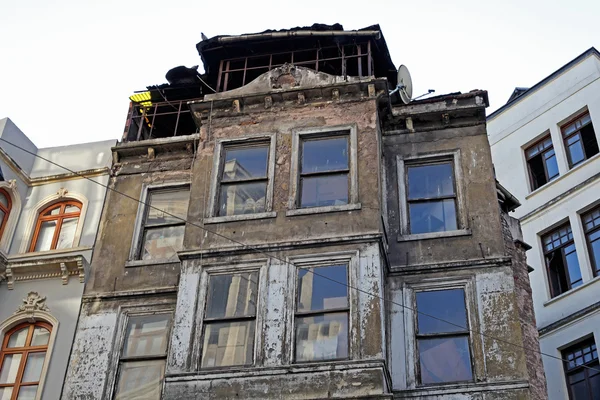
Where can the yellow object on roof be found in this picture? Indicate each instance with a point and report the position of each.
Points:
(143, 98)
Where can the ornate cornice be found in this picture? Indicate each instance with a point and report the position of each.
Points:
(42, 268)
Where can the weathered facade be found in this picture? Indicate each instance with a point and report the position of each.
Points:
(48, 227)
(257, 245)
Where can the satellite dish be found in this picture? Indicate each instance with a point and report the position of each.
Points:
(404, 84)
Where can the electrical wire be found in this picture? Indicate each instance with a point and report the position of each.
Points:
(262, 252)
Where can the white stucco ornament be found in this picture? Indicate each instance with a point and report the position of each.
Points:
(62, 192)
(33, 302)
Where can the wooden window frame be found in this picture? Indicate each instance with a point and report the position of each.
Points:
(589, 231)
(24, 351)
(60, 217)
(576, 132)
(541, 151)
(6, 210)
(560, 247)
(580, 346)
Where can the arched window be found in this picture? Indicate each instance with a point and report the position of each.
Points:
(22, 359)
(56, 226)
(5, 206)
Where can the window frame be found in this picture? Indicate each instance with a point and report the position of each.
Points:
(6, 210)
(298, 138)
(60, 217)
(402, 165)
(221, 145)
(544, 253)
(594, 263)
(577, 131)
(541, 153)
(578, 345)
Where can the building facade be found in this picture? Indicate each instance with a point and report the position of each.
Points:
(48, 222)
(545, 149)
(266, 237)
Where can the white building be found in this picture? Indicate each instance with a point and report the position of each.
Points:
(545, 151)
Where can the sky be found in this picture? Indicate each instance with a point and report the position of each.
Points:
(68, 67)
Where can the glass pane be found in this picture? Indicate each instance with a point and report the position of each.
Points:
(174, 202)
(244, 163)
(41, 336)
(573, 265)
(445, 360)
(18, 338)
(9, 368)
(580, 391)
(1, 217)
(447, 305)
(325, 154)
(318, 291)
(140, 380)
(147, 335)
(432, 216)
(228, 343)
(322, 337)
(595, 247)
(232, 295)
(71, 208)
(6, 393)
(595, 385)
(162, 243)
(551, 165)
(3, 200)
(324, 191)
(428, 181)
(576, 152)
(54, 211)
(67, 233)
(45, 236)
(242, 198)
(33, 367)
(27, 392)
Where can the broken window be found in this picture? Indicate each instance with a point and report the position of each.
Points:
(581, 370)
(244, 180)
(541, 162)
(56, 226)
(580, 139)
(159, 120)
(322, 312)
(443, 341)
(324, 171)
(561, 260)
(230, 319)
(431, 197)
(591, 226)
(143, 358)
(164, 223)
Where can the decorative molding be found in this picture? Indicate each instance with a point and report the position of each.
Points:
(34, 302)
(13, 216)
(62, 192)
(61, 267)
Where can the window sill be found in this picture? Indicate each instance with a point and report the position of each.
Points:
(320, 210)
(570, 292)
(145, 263)
(241, 217)
(434, 235)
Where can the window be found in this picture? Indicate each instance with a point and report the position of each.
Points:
(541, 162)
(164, 223)
(322, 312)
(580, 139)
(431, 197)
(583, 383)
(22, 359)
(561, 260)
(5, 206)
(591, 226)
(56, 226)
(143, 357)
(443, 348)
(324, 171)
(230, 319)
(243, 180)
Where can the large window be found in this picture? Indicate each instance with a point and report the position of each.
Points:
(541, 162)
(591, 226)
(230, 320)
(56, 226)
(5, 206)
(431, 197)
(580, 139)
(143, 357)
(22, 359)
(324, 171)
(322, 312)
(561, 260)
(583, 383)
(164, 223)
(243, 180)
(443, 341)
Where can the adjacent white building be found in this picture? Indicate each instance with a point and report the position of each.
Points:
(545, 151)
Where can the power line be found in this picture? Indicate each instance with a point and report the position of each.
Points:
(259, 251)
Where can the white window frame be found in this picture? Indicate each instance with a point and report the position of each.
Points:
(136, 241)
(351, 260)
(298, 135)
(210, 212)
(402, 164)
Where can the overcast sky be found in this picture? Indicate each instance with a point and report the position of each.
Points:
(67, 67)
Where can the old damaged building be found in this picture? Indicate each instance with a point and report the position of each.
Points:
(256, 242)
